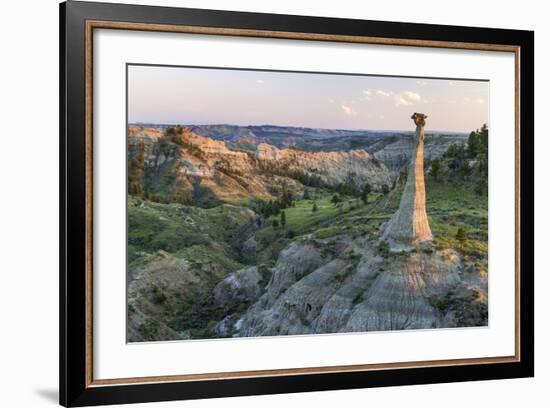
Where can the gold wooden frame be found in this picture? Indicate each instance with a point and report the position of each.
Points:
(98, 24)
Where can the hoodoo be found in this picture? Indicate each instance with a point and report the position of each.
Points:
(409, 225)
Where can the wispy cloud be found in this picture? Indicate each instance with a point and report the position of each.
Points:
(366, 95)
(404, 98)
(412, 96)
(400, 100)
(348, 110)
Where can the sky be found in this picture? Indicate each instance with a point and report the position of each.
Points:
(170, 95)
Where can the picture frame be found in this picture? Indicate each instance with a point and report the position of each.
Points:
(78, 20)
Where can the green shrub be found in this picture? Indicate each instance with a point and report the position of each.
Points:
(148, 329)
(365, 193)
(327, 232)
(384, 248)
(353, 255)
(461, 235)
(158, 295)
(435, 170)
(481, 187)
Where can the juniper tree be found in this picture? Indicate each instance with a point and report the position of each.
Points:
(365, 193)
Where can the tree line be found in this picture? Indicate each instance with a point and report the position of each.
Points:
(462, 160)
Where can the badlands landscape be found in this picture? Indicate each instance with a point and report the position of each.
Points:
(238, 231)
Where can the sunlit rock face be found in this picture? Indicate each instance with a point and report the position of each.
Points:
(409, 225)
(203, 168)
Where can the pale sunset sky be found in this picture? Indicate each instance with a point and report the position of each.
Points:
(169, 95)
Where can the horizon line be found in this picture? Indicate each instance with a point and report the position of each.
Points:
(296, 127)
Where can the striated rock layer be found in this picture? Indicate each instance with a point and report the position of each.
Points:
(310, 293)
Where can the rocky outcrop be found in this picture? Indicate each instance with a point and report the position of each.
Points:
(240, 287)
(370, 294)
(235, 294)
(399, 299)
(332, 168)
(294, 262)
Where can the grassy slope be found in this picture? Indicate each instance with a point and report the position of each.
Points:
(327, 220)
(450, 206)
(199, 235)
(455, 205)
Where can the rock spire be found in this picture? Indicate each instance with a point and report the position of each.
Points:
(409, 225)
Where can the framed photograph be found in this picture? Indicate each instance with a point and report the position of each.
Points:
(256, 204)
